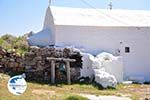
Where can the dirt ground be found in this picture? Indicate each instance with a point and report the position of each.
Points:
(94, 97)
(141, 91)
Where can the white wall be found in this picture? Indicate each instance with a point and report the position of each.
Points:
(110, 39)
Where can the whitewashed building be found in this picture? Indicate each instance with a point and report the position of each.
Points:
(119, 32)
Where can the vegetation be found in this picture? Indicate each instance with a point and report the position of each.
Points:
(76, 97)
(12, 43)
(37, 91)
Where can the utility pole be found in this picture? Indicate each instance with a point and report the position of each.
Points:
(49, 2)
(110, 5)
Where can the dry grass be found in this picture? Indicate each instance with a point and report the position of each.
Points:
(37, 91)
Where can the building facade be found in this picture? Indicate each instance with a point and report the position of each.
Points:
(119, 32)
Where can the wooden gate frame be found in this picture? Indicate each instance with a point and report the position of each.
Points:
(67, 61)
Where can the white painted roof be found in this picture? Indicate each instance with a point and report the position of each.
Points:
(100, 17)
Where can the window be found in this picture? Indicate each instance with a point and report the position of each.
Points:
(127, 49)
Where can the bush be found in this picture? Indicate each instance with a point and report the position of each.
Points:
(76, 97)
(19, 44)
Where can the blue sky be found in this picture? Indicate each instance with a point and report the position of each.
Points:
(22, 16)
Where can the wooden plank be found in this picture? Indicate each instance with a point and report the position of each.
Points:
(53, 72)
(61, 59)
(68, 72)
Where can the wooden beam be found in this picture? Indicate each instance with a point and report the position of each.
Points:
(68, 72)
(61, 59)
(52, 71)
(67, 60)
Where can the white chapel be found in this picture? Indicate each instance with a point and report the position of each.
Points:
(120, 32)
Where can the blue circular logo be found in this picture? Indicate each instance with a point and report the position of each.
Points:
(17, 85)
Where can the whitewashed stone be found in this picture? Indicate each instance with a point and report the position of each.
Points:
(105, 79)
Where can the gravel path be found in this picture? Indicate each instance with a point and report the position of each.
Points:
(93, 97)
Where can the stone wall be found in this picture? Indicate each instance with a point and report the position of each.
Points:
(9, 61)
(36, 66)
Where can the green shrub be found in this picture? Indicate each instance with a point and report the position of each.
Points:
(76, 97)
(19, 44)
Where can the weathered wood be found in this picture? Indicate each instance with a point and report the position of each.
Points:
(68, 72)
(53, 72)
(61, 59)
(67, 66)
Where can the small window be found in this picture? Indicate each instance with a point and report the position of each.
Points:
(127, 49)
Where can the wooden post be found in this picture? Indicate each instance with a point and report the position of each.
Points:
(53, 72)
(68, 72)
(52, 59)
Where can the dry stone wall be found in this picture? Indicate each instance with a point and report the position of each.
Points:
(39, 68)
(35, 63)
(9, 60)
